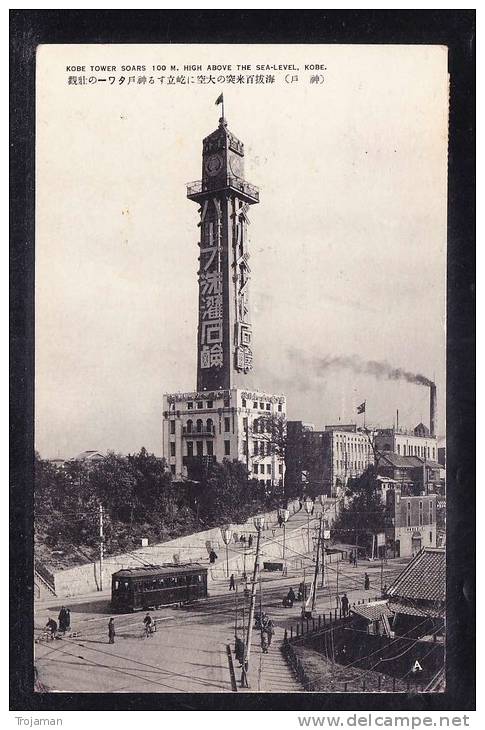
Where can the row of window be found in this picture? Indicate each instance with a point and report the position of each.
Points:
(227, 402)
(355, 465)
(417, 450)
(360, 448)
(157, 583)
(262, 406)
(408, 514)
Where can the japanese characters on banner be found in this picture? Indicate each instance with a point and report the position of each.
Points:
(242, 335)
(211, 289)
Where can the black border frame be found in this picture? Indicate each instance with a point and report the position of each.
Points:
(452, 28)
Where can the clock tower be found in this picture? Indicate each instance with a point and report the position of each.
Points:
(224, 338)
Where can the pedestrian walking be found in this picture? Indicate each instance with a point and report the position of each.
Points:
(345, 605)
(355, 559)
(212, 557)
(280, 520)
(269, 628)
(232, 583)
(148, 625)
(351, 558)
(250, 541)
(111, 631)
(264, 642)
(64, 619)
(366, 582)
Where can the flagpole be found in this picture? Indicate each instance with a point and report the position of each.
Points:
(365, 403)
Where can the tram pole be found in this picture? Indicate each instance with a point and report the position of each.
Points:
(101, 539)
(247, 649)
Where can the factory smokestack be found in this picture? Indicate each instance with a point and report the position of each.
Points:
(432, 409)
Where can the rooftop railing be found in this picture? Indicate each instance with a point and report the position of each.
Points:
(202, 186)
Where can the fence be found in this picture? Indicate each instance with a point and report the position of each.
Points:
(312, 645)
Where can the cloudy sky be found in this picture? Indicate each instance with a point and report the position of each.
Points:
(348, 243)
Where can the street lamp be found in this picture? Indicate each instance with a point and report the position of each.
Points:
(309, 509)
(259, 524)
(226, 536)
(284, 514)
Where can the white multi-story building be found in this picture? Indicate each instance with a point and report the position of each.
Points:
(227, 424)
(418, 442)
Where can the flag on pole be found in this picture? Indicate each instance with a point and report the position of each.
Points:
(361, 408)
(220, 99)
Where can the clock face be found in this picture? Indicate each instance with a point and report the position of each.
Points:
(213, 164)
(235, 164)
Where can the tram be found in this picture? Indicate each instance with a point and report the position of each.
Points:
(152, 586)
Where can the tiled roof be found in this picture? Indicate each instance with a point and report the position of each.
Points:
(433, 610)
(423, 579)
(401, 461)
(372, 611)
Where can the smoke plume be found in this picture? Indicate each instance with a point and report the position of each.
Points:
(355, 363)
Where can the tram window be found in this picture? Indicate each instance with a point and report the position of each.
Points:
(147, 585)
(117, 585)
(199, 578)
(126, 585)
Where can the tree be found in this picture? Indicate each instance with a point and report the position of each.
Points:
(364, 515)
(227, 495)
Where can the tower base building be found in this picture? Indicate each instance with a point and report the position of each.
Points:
(214, 425)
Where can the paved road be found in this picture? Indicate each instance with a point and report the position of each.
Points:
(188, 653)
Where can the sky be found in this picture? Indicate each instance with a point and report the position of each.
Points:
(347, 245)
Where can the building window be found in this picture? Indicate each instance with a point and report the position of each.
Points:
(430, 538)
(261, 406)
(245, 424)
(280, 468)
(255, 468)
(227, 425)
(420, 513)
(226, 402)
(280, 407)
(172, 427)
(210, 404)
(255, 405)
(210, 425)
(434, 455)
(189, 425)
(409, 515)
(172, 448)
(200, 404)
(268, 406)
(255, 448)
(172, 469)
(398, 449)
(190, 448)
(199, 425)
(245, 448)
(227, 448)
(209, 448)
(243, 401)
(268, 468)
(261, 448)
(190, 405)
(200, 448)
(430, 511)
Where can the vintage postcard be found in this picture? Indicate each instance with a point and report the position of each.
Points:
(240, 341)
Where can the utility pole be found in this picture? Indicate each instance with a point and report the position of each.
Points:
(382, 570)
(316, 564)
(247, 650)
(101, 547)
